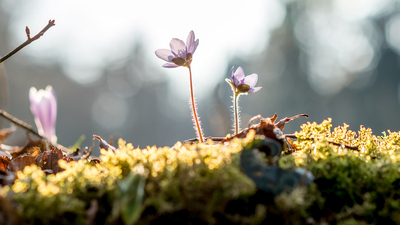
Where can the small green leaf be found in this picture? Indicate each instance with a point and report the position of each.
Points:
(78, 142)
(132, 190)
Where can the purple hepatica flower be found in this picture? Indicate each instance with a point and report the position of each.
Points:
(44, 109)
(180, 54)
(243, 84)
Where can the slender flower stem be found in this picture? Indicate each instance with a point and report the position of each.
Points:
(194, 111)
(236, 112)
(241, 85)
(236, 118)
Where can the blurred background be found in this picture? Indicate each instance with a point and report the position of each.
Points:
(333, 58)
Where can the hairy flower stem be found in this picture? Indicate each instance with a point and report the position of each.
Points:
(196, 120)
(236, 117)
(236, 112)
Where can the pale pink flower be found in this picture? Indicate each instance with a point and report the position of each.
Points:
(44, 109)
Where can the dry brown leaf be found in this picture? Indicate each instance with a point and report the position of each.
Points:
(78, 154)
(34, 151)
(4, 133)
(20, 162)
(95, 161)
(40, 144)
(4, 161)
(5, 154)
(103, 144)
(48, 160)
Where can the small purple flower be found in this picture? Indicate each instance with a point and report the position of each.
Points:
(44, 109)
(180, 54)
(243, 84)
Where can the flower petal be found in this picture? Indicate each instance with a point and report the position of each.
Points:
(254, 90)
(32, 95)
(44, 110)
(169, 65)
(178, 48)
(251, 80)
(41, 111)
(35, 107)
(164, 54)
(47, 120)
(190, 41)
(238, 76)
(196, 43)
(53, 103)
(232, 77)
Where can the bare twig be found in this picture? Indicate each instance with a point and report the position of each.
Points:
(27, 127)
(252, 119)
(355, 148)
(3, 75)
(20, 123)
(216, 139)
(103, 144)
(90, 150)
(3, 91)
(29, 39)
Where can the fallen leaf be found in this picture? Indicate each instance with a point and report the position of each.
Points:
(48, 160)
(78, 154)
(40, 144)
(5, 154)
(103, 144)
(4, 161)
(20, 162)
(34, 151)
(95, 161)
(9, 148)
(4, 133)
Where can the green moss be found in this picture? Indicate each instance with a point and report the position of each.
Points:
(361, 184)
(204, 184)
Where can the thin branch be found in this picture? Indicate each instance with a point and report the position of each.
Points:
(216, 139)
(90, 150)
(20, 123)
(103, 144)
(3, 91)
(27, 127)
(330, 142)
(29, 39)
(252, 119)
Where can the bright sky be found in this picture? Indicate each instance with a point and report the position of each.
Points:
(91, 32)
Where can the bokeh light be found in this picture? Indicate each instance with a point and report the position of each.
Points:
(333, 58)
